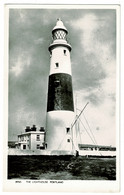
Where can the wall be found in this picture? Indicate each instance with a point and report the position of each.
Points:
(96, 153)
(34, 141)
(18, 152)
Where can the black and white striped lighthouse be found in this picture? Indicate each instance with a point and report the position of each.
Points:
(60, 106)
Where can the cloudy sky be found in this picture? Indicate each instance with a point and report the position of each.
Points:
(92, 35)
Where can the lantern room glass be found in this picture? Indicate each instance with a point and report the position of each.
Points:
(59, 34)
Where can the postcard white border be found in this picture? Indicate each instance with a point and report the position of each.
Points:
(66, 186)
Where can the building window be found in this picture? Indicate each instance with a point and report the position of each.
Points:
(57, 65)
(38, 138)
(24, 147)
(64, 52)
(38, 146)
(68, 130)
(68, 140)
(22, 138)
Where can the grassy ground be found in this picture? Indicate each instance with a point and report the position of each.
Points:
(61, 168)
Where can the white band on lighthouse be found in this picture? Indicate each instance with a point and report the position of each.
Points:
(60, 60)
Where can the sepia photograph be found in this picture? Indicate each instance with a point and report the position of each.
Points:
(62, 69)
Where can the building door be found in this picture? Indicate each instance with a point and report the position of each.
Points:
(24, 147)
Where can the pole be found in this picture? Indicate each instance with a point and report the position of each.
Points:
(79, 115)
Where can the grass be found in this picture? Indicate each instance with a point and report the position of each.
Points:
(61, 168)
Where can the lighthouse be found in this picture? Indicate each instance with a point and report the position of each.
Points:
(60, 106)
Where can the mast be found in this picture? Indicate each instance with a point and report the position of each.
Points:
(74, 144)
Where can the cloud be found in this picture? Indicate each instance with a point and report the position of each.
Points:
(97, 61)
(22, 15)
(39, 41)
(88, 25)
(95, 73)
(97, 116)
(19, 64)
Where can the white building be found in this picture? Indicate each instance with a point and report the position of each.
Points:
(31, 139)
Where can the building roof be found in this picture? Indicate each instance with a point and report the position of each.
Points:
(32, 132)
(11, 144)
(93, 146)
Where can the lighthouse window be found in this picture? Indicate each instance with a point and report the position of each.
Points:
(64, 52)
(68, 140)
(57, 65)
(50, 54)
(57, 83)
(68, 130)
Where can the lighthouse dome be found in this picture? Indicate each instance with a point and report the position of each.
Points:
(59, 25)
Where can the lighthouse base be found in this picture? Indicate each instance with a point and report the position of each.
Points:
(59, 134)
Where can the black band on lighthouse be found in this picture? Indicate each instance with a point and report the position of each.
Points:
(60, 96)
